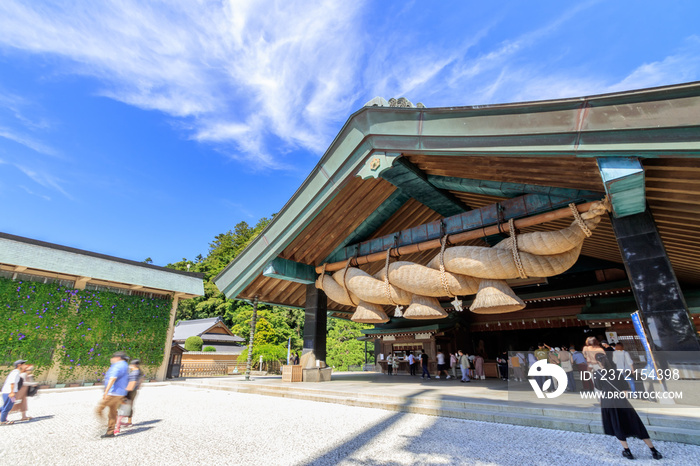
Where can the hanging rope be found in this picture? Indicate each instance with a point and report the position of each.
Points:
(443, 275)
(514, 248)
(345, 285)
(580, 221)
(323, 276)
(387, 286)
(456, 303)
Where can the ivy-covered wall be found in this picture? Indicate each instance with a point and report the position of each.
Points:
(78, 329)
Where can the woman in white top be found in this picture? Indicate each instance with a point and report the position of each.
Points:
(623, 362)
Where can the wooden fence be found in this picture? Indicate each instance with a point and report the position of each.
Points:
(213, 369)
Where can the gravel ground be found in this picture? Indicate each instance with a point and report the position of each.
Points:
(177, 425)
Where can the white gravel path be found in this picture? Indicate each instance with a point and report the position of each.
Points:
(176, 425)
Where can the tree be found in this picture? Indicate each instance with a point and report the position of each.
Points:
(343, 349)
(148, 260)
(209, 349)
(276, 325)
(193, 343)
(267, 351)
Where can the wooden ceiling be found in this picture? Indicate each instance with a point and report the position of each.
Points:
(672, 188)
(560, 172)
(673, 195)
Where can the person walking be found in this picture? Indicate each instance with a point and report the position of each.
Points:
(618, 416)
(566, 363)
(441, 366)
(581, 366)
(411, 364)
(453, 365)
(623, 362)
(424, 365)
(28, 388)
(517, 361)
(464, 366)
(116, 381)
(389, 364)
(12, 384)
(135, 379)
(479, 367)
(502, 361)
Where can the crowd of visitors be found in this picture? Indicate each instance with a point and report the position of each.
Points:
(514, 366)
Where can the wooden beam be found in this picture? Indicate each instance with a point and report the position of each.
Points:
(472, 233)
(505, 189)
(80, 282)
(284, 269)
(412, 181)
(476, 219)
(375, 220)
(623, 178)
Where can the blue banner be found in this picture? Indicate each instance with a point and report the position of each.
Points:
(650, 368)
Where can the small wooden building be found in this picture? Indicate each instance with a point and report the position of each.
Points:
(214, 333)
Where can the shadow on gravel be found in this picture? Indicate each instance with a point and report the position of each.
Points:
(146, 423)
(137, 430)
(335, 455)
(36, 419)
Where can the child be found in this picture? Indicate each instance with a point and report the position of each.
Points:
(127, 408)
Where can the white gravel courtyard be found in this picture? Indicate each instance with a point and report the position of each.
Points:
(176, 425)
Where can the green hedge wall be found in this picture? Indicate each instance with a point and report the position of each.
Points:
(84, 326)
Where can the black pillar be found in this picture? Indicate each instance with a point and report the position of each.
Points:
(315, 320)
(654, 284)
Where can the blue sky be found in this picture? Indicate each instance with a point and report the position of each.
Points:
(143, 129)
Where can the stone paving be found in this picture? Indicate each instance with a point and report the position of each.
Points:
(179, 425)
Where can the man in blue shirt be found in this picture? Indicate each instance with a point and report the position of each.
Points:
(116, 380)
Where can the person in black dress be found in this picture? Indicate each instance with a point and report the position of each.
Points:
(619, 417)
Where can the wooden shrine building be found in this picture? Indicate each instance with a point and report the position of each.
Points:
(402, 177)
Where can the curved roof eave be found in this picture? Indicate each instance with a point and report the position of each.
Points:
(553, 128)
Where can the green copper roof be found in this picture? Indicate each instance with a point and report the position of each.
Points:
(659, 122)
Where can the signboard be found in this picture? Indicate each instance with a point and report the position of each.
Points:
(611, 337)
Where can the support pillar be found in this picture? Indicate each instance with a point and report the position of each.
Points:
(315, 320)
(654, 284)
(162, 370)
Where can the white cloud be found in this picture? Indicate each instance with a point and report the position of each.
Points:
(29, 191)
(280, 68)
(258, 79)
(27, 141)
(19, 109)
(679, 67)
(44, 179)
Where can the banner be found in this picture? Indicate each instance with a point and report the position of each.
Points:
(650, 368)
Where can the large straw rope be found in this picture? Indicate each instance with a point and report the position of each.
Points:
(334, 291)
(370, 289)
(458, 270)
